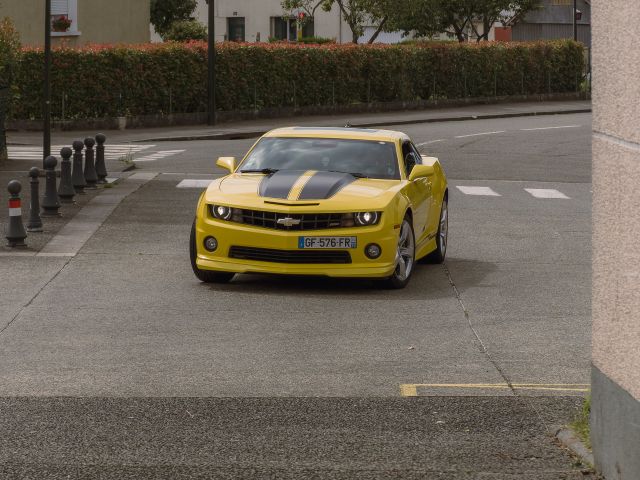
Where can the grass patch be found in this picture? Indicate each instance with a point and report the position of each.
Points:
(581, 424)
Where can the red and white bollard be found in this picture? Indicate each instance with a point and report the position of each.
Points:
(16, 233)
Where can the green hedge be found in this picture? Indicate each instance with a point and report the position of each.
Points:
(110, 81)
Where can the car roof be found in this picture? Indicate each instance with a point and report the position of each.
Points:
(334, 132)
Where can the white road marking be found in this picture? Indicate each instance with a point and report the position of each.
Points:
(546, 193)
(480, 134)
(484, 191)
(144, 176)
(549, 128)
(429, 142)
(193, 183)
(159, 155)
(111, 152)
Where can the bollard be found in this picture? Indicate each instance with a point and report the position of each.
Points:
(15, 233)
(90, 176)
(101, 166)
(50, 201)
(65, 190)
(35, 222)
(78, 175)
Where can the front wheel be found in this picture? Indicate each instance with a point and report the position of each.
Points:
(206, 276)
(405, 257)
(442, 237)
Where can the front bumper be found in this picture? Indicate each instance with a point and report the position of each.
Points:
(231, 234)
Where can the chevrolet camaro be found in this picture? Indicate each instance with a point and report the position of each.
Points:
(337, 202)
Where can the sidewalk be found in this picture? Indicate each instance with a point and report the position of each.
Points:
(255, 128)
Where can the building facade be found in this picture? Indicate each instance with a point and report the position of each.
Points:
(555, 21)
(615, 411)
(92, 21)
(261, 20)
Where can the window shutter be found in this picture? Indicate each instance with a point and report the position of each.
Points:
(59, 7)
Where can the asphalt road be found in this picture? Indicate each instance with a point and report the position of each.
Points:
(118, 363)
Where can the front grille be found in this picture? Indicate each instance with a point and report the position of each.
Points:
(308, 221)
(291, 256)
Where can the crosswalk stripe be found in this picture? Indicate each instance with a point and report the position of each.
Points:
(159, 155)
(546, 193)
(112, 152)
(484, 191)
(191, 183)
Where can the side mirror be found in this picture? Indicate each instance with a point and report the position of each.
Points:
(421, 171)
(228, 163)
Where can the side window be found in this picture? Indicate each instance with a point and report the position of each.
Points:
(409, 157)
(418, 156)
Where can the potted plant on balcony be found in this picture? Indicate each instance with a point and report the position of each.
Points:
(61, 24)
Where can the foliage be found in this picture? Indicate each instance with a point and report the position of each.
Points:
(317, 40)
(581, 423)
(165, 13)
(429, 17)
(356, 13)
(9, 50)
(112, 81)
(61, 24)
(186, 30)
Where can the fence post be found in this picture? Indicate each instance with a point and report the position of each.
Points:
(65, 189)
(77, 175)
(90, 176)
(101, 166)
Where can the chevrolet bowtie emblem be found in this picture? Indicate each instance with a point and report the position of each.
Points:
(288, 221)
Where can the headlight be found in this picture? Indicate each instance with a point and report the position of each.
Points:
(221, 212)
(364, 219)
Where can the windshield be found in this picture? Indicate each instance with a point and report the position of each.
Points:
(364, 158)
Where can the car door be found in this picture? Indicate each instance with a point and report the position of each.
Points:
(419, 191)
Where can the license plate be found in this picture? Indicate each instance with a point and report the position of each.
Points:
(328, 242)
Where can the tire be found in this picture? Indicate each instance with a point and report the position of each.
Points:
(405, 257)
(206, 276)
(442, 237)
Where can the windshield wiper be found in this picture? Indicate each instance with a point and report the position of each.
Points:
(265, 171)
(357, 175)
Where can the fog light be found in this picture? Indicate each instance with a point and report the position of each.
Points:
(211, 244)
(373, 251)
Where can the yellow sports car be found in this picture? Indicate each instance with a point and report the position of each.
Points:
(339, 202)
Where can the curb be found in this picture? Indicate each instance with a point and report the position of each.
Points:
(240, 135)
(568, 438)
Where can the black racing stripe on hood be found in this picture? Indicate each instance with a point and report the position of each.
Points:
(279, 184)
(325, 185)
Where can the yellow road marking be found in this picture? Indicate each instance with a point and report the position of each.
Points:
(410, 389)
(296, 190)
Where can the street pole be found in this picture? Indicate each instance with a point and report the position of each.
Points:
(46, 107)
(575, 20)
(211, 84)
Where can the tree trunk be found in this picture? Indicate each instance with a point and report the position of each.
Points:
(380, 27)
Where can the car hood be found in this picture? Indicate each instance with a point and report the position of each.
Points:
(297, 188)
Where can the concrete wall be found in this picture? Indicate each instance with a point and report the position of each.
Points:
(616, 242)
(98, 21)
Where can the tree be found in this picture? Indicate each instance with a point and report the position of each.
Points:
(357, 13)
(166, 12)
(9, 47)
(428, 17)
(186, 30)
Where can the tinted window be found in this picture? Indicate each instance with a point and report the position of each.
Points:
(370, 158)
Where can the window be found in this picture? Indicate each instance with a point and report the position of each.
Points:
(65, 9)
(410, 157)
(235, 29)
(287, 28)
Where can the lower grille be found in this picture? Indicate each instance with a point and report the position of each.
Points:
(291, 256)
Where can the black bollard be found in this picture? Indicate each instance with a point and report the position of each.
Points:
(101, 166)
(65, 189)
(15, 233)
(35, 222)
(90, 176)
(78, 175)
(50, 201)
